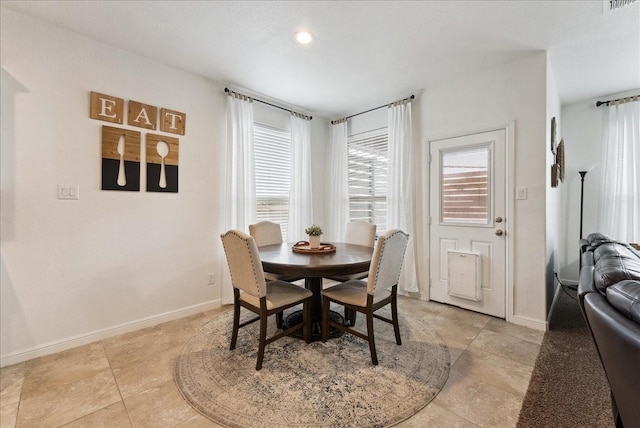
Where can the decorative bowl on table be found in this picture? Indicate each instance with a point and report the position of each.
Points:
(304, 247)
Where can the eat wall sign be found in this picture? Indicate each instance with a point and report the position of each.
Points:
(111, 109)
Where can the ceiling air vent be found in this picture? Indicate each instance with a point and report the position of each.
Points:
(617, 4)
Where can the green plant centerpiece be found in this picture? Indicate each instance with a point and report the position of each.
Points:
(313, 230)
(314, 233)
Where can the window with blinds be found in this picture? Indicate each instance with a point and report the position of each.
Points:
(368, 171)
(465, 185)
(272, 152)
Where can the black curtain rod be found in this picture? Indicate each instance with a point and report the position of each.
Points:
(600, 103)
(227, 90)
(333, 122)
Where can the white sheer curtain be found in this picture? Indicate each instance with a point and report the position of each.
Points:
(338, 184)
(240, 188)
(300, 201)
(401, 187)
(620, 193)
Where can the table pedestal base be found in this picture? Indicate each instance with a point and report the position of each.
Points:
(295, 318)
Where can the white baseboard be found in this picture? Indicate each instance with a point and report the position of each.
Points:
(558, 288)
(530, 322)
(417, 296)
(83, 339)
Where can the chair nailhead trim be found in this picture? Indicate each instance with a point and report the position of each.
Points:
(253, 266)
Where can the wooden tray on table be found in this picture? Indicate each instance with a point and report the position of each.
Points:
(303, 247)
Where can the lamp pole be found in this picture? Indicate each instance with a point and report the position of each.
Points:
(582, 174)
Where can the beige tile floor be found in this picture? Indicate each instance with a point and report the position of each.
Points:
(127, 381)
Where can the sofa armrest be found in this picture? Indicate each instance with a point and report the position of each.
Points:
(625, 297)
(585, 282)
(617, 340)
(584, 244)
(587, 258)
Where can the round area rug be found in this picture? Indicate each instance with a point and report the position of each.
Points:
(329, 384)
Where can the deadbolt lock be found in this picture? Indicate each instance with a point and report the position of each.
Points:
(498, 219)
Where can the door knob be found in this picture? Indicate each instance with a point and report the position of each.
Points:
(498, 219)
(499, 232)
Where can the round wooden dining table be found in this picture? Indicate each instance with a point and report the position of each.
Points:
(347, 259)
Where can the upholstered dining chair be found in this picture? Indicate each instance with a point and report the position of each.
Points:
(266, 233)
(378, 291)
(270, 233)
(251, 291)
(360, 233)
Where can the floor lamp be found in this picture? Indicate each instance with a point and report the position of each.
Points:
(582, 174)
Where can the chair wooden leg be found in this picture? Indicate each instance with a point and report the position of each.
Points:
(325, 318)
(279, 319)
(372, 341)
(236, 322)
(306, 321)
(394, 318)
(262, 340)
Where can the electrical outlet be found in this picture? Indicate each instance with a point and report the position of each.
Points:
(212, 279)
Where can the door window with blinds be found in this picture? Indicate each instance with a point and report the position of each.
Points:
(368, 172)
(272, 152)
(464, 195)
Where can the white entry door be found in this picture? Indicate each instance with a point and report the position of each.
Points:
(467, 217)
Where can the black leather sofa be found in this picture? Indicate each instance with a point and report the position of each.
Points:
(609, 294)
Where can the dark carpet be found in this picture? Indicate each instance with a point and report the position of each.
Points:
(568, 387)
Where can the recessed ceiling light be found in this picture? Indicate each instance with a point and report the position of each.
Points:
(304, 37)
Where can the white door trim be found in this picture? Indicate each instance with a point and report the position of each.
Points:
(509, 129)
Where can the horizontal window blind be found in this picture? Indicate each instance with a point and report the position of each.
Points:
(368, 171)
(465, 185)
(464, 197)
(272, 152)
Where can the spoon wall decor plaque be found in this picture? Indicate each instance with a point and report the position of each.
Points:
(162, 163)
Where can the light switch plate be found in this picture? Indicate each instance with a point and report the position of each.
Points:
(68, 191)
(521, 193)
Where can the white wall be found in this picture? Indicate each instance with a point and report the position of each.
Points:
(553, 199)
(511, 92)
(582, 132)
(75, 271)
(369, 121)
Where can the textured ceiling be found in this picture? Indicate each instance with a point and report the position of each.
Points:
(364, 53)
